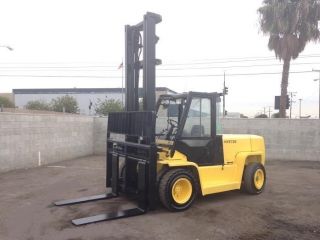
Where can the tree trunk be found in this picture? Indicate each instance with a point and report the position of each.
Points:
(284, 88)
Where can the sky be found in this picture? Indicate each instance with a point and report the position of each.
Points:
(199, 41)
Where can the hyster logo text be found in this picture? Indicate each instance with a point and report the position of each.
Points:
(230, 141)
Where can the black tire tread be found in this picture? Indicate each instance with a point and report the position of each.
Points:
(248, 178)
(165, 182)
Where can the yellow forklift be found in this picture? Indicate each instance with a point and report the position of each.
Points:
(170, 151)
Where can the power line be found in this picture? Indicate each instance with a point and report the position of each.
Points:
(195, 62)
(253, 58)
(236, 60)
(55, 63)
(78, 68)
(57, 76)
(234, 74)
(235, 66)
(56, 70)
(62, 67)
(164, 76)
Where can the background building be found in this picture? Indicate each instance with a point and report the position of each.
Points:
(83, 96)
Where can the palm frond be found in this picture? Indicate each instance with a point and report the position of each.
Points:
(291, 24)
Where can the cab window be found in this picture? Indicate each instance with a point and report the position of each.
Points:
(198, 122)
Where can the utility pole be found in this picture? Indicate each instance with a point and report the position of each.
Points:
(224, 95)
(300, 99)
(319, 87)
(292, 94)
(269, 111)
(265, 111)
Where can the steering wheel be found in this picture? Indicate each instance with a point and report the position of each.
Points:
(172, 122)
(162, 133)
(170, 130)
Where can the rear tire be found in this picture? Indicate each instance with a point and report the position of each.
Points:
(254, 179)
(178, 189)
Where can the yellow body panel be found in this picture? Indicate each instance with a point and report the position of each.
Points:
(238, 151)
(214, 179)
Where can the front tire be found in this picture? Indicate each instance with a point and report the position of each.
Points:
(254, 178)
(178, 189)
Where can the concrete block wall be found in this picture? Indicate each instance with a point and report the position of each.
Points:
(285, 139)
(26, 139)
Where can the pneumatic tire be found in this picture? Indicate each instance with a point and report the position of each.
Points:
(178, 189)
(254, 178)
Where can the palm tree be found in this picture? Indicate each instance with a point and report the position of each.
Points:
(291, 24)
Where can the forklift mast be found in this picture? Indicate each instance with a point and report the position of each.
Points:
(137, 43)
(131, 134)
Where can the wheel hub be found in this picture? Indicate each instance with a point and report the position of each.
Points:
(258, 179)
(181, 190)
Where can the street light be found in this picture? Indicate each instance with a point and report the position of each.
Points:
(318, 79)
(7, 47)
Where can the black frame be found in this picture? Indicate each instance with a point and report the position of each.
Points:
(139, 151)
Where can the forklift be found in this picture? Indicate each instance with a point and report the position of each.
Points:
(169, 151)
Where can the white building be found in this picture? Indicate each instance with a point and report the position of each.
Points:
(83, 96)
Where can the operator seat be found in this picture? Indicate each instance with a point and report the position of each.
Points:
(197, 131)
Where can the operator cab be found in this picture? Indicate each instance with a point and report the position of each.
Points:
(188, 123)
